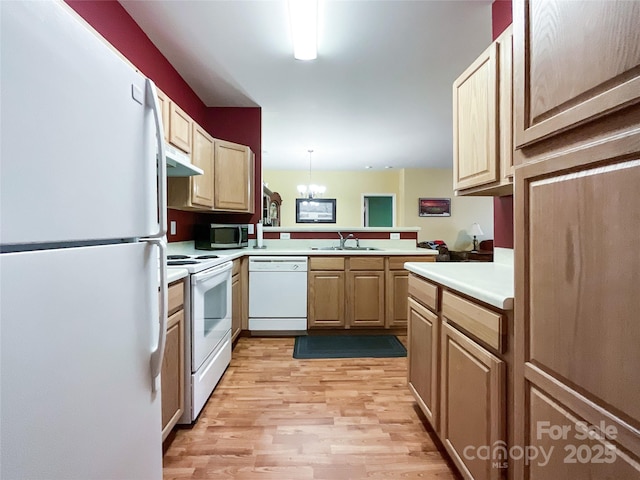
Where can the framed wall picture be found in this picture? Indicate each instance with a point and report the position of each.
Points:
(315, 210)
(434, 207)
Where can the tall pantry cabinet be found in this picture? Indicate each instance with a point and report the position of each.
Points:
(577, 232)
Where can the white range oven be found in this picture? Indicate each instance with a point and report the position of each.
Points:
(208, 329)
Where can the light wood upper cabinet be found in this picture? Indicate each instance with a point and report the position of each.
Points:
(164, 108)
(180, 126)
(574, 63)
(229, 168)
(196, 192)
(202, 186)
(483, 123)
(233, 186)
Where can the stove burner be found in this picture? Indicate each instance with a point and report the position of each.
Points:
(182, 262)
(177, 257)
(203, 257)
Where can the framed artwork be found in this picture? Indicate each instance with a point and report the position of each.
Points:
(434, 207)
(315, 210)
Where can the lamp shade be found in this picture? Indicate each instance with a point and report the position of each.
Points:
(475, 230)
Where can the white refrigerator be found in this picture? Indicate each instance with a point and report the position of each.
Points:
(82, 225)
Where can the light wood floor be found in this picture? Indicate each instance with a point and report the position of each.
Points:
(276, 417)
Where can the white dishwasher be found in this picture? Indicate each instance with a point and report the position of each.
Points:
(277, 293)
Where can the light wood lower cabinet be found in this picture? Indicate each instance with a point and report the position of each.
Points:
(473, 411)
(359, 291)
(396, 289)
(424, 353)
(326, 299)
(459, 353)
(365, 292)
(172, 374)
(236, 300)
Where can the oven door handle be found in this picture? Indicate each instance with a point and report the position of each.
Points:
(211, 272)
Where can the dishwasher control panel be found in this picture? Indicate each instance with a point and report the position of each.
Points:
(277, 264)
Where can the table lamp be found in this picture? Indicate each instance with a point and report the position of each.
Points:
(475, 230)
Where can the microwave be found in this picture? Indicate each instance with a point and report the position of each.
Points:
(214, 236)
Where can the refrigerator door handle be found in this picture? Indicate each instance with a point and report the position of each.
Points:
(158, 354)
(152, 99)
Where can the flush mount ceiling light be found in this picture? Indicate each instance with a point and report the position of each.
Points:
(311, 190)
(303, 15)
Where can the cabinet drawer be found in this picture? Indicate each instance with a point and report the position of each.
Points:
(176, 296)
(366, 263)
(326, 263)
(425, 292)
(485, 324)
(397, 263)
(236, 267)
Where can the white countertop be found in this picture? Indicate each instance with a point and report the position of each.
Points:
(488, 282)
(174, 274)
(187, 248)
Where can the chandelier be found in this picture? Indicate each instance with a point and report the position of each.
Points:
(311, 190)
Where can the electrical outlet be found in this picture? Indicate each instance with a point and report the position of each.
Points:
(250, 229)
(394, 236)
(285, 236)
(172, 227)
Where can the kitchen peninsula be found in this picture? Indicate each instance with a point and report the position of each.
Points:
(460, 328)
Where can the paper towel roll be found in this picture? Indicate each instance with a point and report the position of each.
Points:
(259, 235)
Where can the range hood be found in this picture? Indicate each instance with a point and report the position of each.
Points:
(179, 163)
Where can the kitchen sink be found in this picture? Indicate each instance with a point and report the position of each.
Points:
(361, 249)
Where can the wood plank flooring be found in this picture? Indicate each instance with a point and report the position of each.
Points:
(276, 417)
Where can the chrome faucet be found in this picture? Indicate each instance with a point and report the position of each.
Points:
(344, 239)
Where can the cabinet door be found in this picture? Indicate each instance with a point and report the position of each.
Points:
(365, 298)
(574, 63)
(165, 108)
(326, 299)
(556, 430)
(202, 190)
(236, 306)
(397, 291)
(172, 374)
(424, 351)
(179, 128)
(475, 122)
(505, 114)
(580, 306)
(233, 178)
(473, 412)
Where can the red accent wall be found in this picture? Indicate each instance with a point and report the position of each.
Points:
(241, 125)
(501, 18)
(334, 235)
(113, 22)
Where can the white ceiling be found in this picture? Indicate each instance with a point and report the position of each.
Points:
(379, 93)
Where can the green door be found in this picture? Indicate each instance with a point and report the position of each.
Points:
(380, 211)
